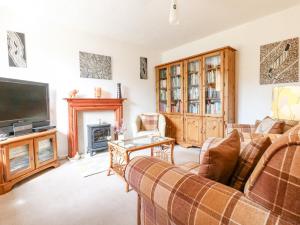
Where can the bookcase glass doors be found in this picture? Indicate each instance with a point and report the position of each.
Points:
(193, 87)
(176, 88)
(162, 90)
(213, 85)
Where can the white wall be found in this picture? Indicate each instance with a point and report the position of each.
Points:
(53, 57)
(253, 100)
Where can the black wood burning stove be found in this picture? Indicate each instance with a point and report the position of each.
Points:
(97, 137)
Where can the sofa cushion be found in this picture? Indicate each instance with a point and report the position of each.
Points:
(218, 163)
(149, 122)
(191, 167)
(247, 161)
(269, 125)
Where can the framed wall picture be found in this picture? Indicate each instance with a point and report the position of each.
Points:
(95, 66)
(16, 49)
(279, 62)
(143, 68)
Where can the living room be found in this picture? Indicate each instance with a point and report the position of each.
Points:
(166, 79)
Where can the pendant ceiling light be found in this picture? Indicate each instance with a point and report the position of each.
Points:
(173, 17)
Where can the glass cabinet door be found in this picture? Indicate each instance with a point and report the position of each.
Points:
(19, 159)
(194, 87)
(45, 150)
(176, 91)
(213, 85)
(162, 90)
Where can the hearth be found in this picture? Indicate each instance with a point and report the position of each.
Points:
(97, 137)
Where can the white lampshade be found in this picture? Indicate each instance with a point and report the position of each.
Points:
(173, 17)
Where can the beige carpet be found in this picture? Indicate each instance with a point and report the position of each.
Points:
(63, 196)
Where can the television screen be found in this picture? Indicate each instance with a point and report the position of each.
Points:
(23, 101)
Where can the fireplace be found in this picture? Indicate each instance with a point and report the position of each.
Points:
(98, 135)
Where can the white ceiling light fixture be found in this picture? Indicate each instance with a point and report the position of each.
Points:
(173, 17)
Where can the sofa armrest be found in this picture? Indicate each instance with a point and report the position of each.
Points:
(186, 198)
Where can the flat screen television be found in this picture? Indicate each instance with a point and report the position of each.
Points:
(23, 101)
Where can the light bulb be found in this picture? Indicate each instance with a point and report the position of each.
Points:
(173, 17)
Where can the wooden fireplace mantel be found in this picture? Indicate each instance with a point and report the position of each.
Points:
(76, 105)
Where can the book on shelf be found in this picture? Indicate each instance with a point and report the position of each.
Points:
(213, 108)
(163, 84)
(213, 62)
(194, 93)
(163, 74)
(193, 67)
(176, 94)
(176, 107)
(194, 79)
(194, 107)
(212, 93)
(162, 107)
(163, 95)
(175, 82)
(213, 76)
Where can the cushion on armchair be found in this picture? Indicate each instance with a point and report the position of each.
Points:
(149, 122)
(247, 161)
(218, 162)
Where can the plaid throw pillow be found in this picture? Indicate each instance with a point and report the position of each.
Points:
(218, 162)
(270, 126)
(149, 122)
(247, 161)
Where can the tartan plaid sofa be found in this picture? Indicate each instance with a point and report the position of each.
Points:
(169, 195)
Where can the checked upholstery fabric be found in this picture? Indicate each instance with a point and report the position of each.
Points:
(169, 195)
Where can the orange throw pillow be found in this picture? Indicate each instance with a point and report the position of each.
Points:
(218, 162)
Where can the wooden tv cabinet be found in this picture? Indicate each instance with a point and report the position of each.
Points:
(26, 155)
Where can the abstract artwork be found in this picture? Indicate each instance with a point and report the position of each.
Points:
(16, 49)
(279, 62)
(95, 66)
(143, 68)
(286, 103)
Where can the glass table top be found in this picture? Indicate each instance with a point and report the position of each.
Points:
(140, 141)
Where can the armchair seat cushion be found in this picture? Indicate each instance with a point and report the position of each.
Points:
(147, 132)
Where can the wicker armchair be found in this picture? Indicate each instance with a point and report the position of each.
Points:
(170, 195)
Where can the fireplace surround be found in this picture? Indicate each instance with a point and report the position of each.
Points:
(76, 105)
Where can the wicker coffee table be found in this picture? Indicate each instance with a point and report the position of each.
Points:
(120, 151)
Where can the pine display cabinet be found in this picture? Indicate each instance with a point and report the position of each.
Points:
(26, 155)
(197, 95)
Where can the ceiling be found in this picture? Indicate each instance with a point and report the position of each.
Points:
(145, 22)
